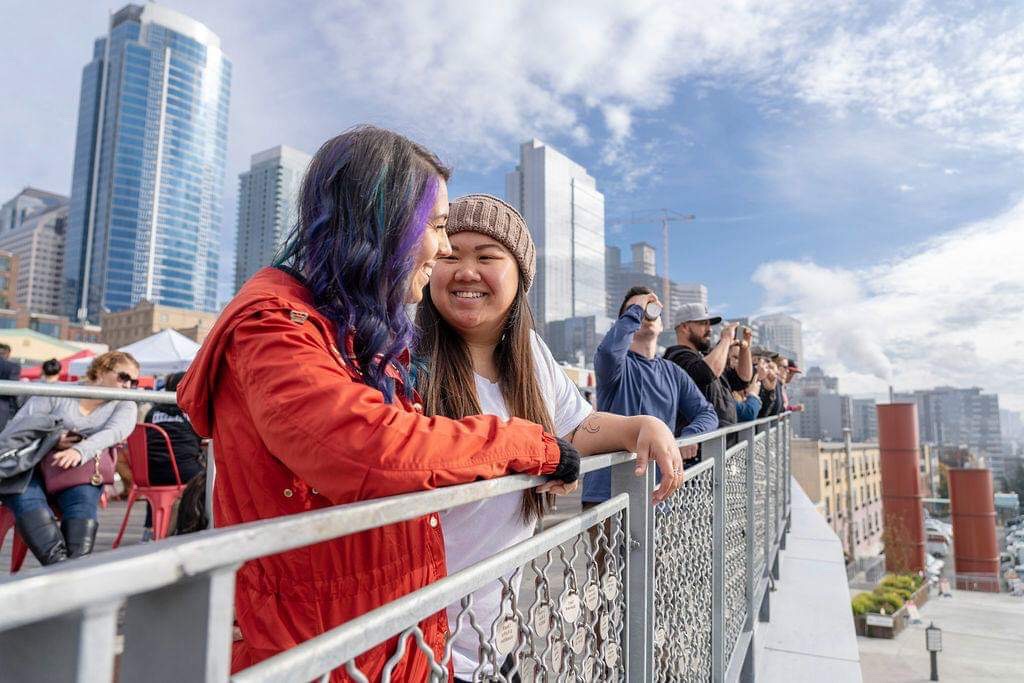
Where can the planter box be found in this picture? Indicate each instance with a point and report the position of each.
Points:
(889, 625)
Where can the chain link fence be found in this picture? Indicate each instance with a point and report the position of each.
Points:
(623, 591)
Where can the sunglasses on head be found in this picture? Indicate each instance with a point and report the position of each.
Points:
(125, 377)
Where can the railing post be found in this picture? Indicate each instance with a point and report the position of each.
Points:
(211, 477)
(749, 435)
(181, 632)
(638, 642)
(77, 646)
(715, 449)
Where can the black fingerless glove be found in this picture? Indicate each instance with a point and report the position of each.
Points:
(568, 469)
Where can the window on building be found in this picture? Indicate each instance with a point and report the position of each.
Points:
(828, 506)
(824, 470)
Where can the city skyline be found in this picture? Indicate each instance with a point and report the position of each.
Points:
(883, 214)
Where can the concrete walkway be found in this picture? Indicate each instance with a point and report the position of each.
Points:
(811, 636)
(982, 640)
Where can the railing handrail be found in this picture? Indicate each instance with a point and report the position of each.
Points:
(199, 569)
(148, 567)
(71, 390)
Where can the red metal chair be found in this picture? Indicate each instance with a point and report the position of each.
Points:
(19, 550)
(161, 498)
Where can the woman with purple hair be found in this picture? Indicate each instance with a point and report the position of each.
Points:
(303, 384)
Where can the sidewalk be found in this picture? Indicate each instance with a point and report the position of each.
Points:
(982, 640)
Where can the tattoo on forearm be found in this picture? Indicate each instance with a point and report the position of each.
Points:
(592, 425)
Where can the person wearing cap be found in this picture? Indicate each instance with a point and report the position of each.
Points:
(707, 366)
(633, 380)
(788, 368)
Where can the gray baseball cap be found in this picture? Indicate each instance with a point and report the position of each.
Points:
(689, 313)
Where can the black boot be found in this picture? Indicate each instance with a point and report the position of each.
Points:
(39, 530)
(80, 534)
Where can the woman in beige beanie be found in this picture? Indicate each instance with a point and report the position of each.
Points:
(482, 356)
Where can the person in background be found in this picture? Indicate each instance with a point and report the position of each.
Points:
(748, 400)
(185, 444)
(765, 373)
(50, 371)
(304, 385)
(633, 380)
(10, 372)
(709, 367)
(792, 370)
(481, 355)
(93, 425)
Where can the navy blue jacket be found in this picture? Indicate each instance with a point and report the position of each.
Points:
(630, 384)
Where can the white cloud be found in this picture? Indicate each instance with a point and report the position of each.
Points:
(905, 188)
(474, 79)
(950, 311)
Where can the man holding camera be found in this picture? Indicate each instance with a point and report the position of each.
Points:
(633, 380)
(709, 366)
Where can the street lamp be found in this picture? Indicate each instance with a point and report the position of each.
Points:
(933, 642)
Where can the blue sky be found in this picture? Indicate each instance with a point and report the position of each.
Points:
(859, 165)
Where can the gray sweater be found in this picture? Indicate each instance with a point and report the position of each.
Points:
(110, 423)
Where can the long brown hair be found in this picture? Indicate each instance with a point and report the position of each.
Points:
(448, 385)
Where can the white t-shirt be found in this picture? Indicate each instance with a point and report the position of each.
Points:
(476, 531)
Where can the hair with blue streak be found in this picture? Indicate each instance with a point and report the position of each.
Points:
(363, 208)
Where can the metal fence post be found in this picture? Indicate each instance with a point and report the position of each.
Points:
(78, 646)
(193, 640)
(715, 449)
(638, 642)
(749, 436)
(211, 477)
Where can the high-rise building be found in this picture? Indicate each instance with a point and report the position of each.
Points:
(865, 420)
(826, 412)
(26, 203)
(782, 333)
(640, 271)
(37, 239)
(267, 207)
(960, 417)
(149, 162)
(565, 213)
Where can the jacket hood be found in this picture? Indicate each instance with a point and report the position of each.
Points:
(269, 288)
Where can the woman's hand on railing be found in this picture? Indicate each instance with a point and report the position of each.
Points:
(654, 441)
(558, 488)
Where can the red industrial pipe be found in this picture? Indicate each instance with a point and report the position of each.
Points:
(901, 487)
(974, 530)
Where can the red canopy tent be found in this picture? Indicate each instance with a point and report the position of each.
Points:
(37, 371)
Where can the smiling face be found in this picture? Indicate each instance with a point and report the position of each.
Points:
(434, 245)
(473, 288)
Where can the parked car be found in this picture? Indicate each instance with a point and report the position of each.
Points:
(938, 526)
(933, 566)
(937, 545)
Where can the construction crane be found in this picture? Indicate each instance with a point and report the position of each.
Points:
(667, 216)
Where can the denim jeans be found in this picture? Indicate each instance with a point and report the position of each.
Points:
(77, 502)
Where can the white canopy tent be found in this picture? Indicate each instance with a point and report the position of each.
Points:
(165, 352)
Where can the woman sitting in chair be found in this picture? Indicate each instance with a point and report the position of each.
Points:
(185, 443)
(93, 425)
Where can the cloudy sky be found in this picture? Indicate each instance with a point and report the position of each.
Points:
(859, 165)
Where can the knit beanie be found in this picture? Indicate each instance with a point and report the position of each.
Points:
(491, 216)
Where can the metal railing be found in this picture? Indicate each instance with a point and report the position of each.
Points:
(622, 591)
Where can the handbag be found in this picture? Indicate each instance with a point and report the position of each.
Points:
(96, 471)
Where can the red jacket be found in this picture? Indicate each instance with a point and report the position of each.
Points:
(294, 430)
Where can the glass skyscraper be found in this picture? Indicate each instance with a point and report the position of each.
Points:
(267, 207)
(149, 166)
(565, 213)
